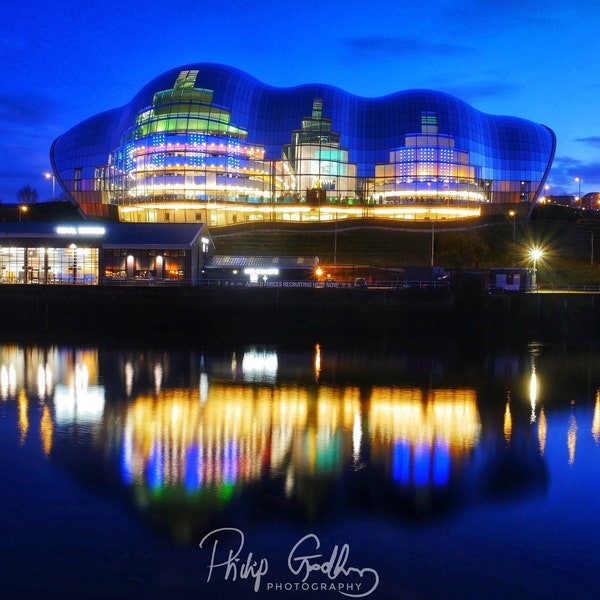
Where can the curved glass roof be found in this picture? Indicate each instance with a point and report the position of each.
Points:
(206, 132)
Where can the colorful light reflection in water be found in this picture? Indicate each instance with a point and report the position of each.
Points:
(241, 422)
(408, 464)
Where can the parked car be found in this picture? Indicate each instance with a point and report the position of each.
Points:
(360, 282)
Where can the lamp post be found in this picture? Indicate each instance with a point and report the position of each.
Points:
(22, 210)
(535, 254)
(578, 180)
(49, 175)
(513, 215)
(335, 240)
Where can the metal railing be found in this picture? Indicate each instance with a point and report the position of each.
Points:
(574, 288)
(237, 283)
(381, 285)
(570, 287)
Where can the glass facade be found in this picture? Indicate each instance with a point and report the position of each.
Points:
(208, 143)
(142, 264)
(48, 265)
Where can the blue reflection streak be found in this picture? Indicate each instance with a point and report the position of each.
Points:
(401, 461)
(422, 464)
(441, 462)
(230, 462)
(193, 468)
(155, 468)
(126, 470)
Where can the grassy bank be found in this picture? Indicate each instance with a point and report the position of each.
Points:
(566, 236)
(570, 238)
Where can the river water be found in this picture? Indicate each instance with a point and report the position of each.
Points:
(304, 471)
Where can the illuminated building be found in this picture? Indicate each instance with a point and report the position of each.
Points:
(287, 271)
(89, 253)
(209, 143)
(108, 252)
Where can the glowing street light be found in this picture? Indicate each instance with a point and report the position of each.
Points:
(545, 199)
(22, 210)
(578, 181)
(49, 175)
(535, 254)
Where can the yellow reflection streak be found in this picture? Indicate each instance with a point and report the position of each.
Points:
(356, 438)
(533, 393)
(8, 381)
(46, 430)
(508, 424)
(158, 377)
(596, 420)
(450, 415)
(129, 372)
(23, 415)
(44, 381)
(542, 431)
(572, 438)
(317, 362)
(3, 382)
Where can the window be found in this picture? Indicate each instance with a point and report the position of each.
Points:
(77, 177)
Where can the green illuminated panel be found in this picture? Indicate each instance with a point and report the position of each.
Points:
(184, 108)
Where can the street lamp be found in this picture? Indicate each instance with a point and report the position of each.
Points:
(535, 254)
(22, 210)
(513, 215)
(49, 175)
(578, 181)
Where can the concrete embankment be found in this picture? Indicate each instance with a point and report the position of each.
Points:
(219, 313)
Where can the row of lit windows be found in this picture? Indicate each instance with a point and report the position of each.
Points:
(48, 265)
(531, 167)
(361, 150)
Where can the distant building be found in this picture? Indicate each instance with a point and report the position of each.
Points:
(210, 144)
(570, 200)
(591, 201)
(262, 270)
(515, 279)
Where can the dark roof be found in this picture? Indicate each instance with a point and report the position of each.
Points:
(26, 229)
(241, 262)
(152, 235)
(108, 234)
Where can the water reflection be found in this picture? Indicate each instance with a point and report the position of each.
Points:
(596, 421)
(196, 437)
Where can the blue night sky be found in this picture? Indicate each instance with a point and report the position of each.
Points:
(63, 62)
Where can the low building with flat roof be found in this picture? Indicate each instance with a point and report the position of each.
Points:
(512, 279)
(107, 252)
(266, 270)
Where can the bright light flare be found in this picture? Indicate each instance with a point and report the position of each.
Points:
(536, 254)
